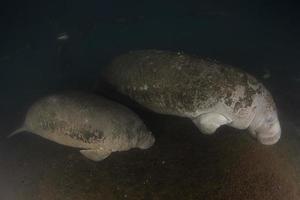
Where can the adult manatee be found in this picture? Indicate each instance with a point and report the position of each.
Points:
(209, 93)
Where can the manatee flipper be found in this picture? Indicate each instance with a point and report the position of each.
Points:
(208, 123)
(19, 130)
(95, 154)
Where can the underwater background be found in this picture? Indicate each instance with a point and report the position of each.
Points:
(50, 46)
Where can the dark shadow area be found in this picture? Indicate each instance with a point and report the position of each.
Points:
(261, 37)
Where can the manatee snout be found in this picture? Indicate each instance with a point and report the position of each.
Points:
(146, 138)
(269, 134)
(147, 141)
(269, 131)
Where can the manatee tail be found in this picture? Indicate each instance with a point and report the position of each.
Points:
(19, 130)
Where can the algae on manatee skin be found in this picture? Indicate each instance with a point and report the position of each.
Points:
(190, 83)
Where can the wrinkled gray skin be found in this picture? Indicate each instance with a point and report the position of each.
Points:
(209, 93)
(96, 125)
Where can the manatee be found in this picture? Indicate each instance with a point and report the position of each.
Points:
(89, 122)
(211, 94)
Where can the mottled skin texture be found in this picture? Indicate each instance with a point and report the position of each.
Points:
(201, 89)
(87, 122)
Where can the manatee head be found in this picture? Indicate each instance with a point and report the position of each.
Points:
(266, 126)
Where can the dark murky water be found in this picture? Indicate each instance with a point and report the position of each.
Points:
(259, 37)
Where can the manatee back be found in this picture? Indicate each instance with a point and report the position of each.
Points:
(175, 83)
(84, 120)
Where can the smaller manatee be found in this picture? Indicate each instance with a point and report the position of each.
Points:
(91, 123)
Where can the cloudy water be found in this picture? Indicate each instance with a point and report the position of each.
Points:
(53, 46)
